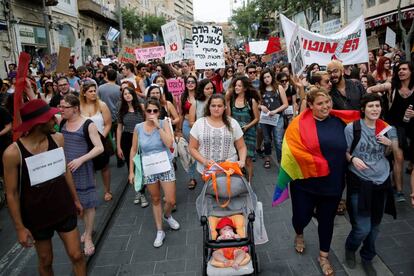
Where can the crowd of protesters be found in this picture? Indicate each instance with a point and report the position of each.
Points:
(125, 109)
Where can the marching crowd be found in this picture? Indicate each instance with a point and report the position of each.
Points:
(338, 125)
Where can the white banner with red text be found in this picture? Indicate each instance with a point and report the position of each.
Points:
(349, 45)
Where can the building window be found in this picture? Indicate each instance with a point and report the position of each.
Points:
(383, 1)
(370, 3)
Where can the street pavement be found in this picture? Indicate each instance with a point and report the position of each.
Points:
(124, 243)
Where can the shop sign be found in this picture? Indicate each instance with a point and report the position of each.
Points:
(27, 35)
(388, 19)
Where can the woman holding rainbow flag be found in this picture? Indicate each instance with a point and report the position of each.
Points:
(314, 163)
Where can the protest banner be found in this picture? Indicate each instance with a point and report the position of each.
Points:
(296, 53)
(390, 37)
(50, 63)
(127, 55)
(175, 86)
(349, 45)
(144, 54)
(208, 47)
(258, 47)
(63, 60)
(188, 51)
(172, 41)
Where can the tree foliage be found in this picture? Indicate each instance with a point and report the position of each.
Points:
(132, 23)
(153, 24)
(243, 18)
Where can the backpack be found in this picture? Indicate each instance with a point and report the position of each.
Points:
(101, 160)
(249, 105)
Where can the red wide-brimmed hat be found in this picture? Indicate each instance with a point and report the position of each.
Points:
(35, 112)
(224, 222)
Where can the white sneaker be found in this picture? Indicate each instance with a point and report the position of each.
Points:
(159, 240)
(144, 201)
(137, 198)
(174, 225)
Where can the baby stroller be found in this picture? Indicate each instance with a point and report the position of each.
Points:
(227, 195)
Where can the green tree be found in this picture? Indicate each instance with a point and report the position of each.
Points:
(153, 24)
(243, 19)
(132, 23)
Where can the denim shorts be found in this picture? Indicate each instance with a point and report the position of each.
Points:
(167, 176)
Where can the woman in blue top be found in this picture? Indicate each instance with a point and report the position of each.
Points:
(154, 136)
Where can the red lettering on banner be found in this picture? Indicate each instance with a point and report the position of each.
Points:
(322, 47)
(350, 45)
(330, 47)
(313, 46)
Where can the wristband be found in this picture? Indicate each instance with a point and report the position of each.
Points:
(350, 160)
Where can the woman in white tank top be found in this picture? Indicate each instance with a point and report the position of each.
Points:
(96, 110)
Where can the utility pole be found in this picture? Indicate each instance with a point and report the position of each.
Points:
(47, 29)
(121, 31)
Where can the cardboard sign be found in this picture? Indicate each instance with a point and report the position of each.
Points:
(172, 40)
(296, 53)
(258, 47)
(127, 55)
(50, 63)
(348, 45)
(390, 37)
(46, 166)
(373, 43)
(149, 53)
(175, 86)
(208, 47)
(63, 60)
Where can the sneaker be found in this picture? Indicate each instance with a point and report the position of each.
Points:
(144, 201)
(368, 268)
(159, 240)
(174, 225)
(399, 197)
(350, 258)
(137, 198)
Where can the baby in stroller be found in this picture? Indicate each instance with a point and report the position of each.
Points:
(231, 256)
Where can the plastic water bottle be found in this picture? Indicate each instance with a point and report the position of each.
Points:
(406, 119)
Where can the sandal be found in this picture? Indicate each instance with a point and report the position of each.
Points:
(82, 238)
(341, 208)
(108, 196)
(326, 266)
(192, 184)
(299, 244)
(89, 250)
(267, 165)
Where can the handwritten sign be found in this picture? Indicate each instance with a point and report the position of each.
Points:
(149, 53)
(50, 63)
(46, 166)
(175, 86)
(390, 37)
(266, 118)
(172, 40)
(208, 47)
(127, 55)
(296, 53)
(188, 51)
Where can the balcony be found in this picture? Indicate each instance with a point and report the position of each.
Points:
(99, 9)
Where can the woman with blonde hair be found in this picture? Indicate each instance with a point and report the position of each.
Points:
(96, 110)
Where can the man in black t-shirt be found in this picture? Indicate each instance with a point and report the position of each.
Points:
(63, 89)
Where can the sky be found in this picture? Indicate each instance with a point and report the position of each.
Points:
(212, 10)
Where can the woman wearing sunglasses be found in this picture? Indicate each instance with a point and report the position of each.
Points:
(154, 138)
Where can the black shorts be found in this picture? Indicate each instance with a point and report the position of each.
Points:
(64, 226)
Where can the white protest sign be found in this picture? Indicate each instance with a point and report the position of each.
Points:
(188, 51)
(106, 61)
(258, 47)
(156, 163)
(266, 118)
(208, 47)
(349, 45)
(77, 49)
(172, 40)
(390, 37)
(296, 53)
(46, 166)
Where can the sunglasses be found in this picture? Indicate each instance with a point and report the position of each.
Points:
(230, 71)
(283, 81)
(251, 72)
(152, 111)
(191, 82)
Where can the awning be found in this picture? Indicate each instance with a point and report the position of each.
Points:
(385, 19)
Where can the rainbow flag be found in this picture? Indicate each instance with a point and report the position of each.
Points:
(301, 153)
